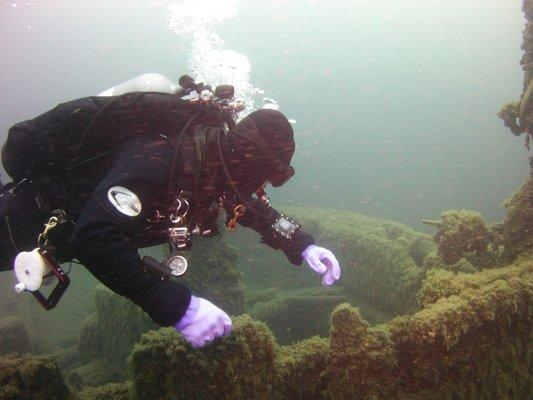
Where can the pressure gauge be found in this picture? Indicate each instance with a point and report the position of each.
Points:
(177, 265)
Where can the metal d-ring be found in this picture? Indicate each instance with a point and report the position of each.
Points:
(179, 219)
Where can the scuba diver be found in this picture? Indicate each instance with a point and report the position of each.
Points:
(126, 170)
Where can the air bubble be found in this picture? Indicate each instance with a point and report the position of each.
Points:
(210, 60)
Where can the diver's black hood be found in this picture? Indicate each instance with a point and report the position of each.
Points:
(276, 130)
(262, 146)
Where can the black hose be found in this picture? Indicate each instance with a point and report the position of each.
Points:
(175, 156)
(228, 177)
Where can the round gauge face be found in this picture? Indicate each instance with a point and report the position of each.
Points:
(177, 265)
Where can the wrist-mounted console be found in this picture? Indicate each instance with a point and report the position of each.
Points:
(284, 227)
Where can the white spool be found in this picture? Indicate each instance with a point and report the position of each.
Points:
(29, 269)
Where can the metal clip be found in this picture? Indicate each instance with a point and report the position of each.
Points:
(180, 237)
(156, 217)
(262, 196)
(43, 237)
(238, 212)
(178, 216)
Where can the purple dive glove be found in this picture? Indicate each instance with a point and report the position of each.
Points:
(324, 262)
(203, 322)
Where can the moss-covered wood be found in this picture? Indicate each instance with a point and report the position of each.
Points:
(381, 260)
(518, 115)
(30, 377)
(518, 226)
(241, 366)
(461, 233)
(15, 338)
(302, 369)
(106, 339)
(111, 391)
(299, 314)
(472, 339)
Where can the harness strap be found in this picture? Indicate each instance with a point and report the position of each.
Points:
(84, 135)
(245, 202)
(176, 143)
(199, 147)
(11, 238)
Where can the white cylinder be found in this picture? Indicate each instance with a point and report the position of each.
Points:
(29, 269)
(150, 82)
(20, 287)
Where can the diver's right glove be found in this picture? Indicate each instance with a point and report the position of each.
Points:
(203, 322)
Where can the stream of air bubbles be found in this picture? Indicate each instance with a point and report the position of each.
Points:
(210, 60)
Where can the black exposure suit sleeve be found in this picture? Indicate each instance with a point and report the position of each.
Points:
(102, 239)
(260, 218)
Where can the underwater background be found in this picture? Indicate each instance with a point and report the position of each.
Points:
(395, 105)
(394, 100)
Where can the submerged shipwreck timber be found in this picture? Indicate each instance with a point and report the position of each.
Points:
(469, 337)
(461, 335)
(450, 317)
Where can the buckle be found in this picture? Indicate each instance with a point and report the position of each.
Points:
(180, 237)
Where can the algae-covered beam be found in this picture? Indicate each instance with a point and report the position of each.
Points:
(432, 222)
(509, 113)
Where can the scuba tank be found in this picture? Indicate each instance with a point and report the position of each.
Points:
(150, 82)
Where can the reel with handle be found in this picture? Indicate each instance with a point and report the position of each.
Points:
(33, 268)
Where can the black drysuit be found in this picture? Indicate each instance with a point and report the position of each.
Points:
(82, 153)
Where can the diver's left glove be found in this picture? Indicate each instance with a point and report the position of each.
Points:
(324, 262)
(203, 322)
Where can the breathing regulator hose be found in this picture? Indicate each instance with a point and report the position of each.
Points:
(228, 177)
